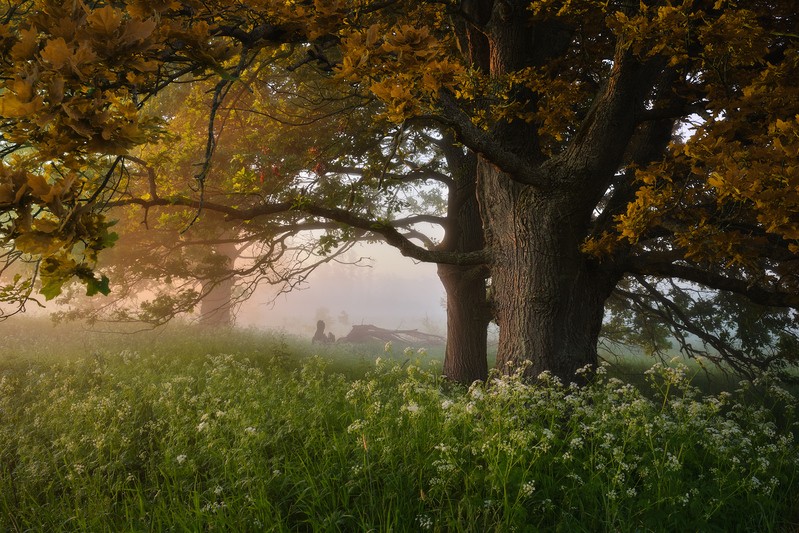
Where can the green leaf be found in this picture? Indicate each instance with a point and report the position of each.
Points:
(93, 286)
(108, 239)
(52, 288)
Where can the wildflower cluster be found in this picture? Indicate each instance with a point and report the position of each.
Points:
(135, 441)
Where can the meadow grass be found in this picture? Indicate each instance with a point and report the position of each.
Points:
(242, 431)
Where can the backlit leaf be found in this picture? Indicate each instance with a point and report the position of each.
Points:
(38, 243)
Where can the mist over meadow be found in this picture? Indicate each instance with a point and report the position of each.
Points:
(391, 292)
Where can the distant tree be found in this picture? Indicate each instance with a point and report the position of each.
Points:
(282, 138)
(610, 141)
(294, 139)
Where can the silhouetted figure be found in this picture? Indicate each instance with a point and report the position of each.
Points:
(320, 335)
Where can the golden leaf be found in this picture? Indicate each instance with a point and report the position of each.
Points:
(716, 181)
(790, 233)
(23, 89)
(12, 107)
(6, 193)
(144, 66)
(27, 45)
(134, 78)
(38, 243)
(783, 126)
(83, 55)
(45, 225)
(20, 193)
(39, 186)
(137, 30)
(373, 34)
(105, 20)
(57, 53)
(56, 90)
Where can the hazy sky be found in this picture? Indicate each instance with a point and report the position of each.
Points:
(394, 293)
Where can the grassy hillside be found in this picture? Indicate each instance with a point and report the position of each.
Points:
(242, 431)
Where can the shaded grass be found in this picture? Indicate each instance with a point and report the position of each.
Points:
(241, 431)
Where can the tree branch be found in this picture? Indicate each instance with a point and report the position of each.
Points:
(384, 229)
(521, 169)
(659, 265)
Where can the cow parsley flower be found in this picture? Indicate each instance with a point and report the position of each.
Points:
(528, 489)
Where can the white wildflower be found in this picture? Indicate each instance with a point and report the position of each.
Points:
(356, 426)
(412, 407)
(528, 489)
(181, 459)
(425, 522)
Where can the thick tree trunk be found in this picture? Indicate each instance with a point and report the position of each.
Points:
(468, 312)
(467, 323)
(216, 305)
(548, 297)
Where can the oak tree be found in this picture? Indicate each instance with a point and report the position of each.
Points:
(657, 140)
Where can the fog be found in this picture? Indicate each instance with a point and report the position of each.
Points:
(393, 292)
(384, 289)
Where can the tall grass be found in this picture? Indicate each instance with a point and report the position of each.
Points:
(182, 435)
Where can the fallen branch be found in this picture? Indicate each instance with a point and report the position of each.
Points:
(369, 333)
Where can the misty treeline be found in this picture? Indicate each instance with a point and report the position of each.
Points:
(576, 170)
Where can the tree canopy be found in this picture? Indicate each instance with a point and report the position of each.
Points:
(612, 143)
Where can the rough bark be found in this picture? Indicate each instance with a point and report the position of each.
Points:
(468, 313)
(548, 297)
(465, 358)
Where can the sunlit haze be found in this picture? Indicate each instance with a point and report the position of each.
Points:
(394, 292)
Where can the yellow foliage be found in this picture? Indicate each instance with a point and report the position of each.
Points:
(26, 46)
(76, 74)
(57, 53)
(105, 20)
(38, 243)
